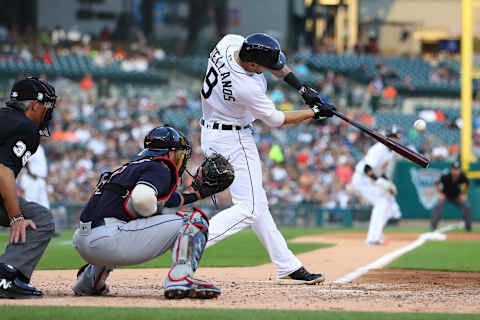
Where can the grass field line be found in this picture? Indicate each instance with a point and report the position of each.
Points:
(379, 263)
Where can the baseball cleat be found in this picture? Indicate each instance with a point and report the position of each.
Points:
(383, 242)
(11, 287)
(302, 276)
(191, 288)
(91, 282)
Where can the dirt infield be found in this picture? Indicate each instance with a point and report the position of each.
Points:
(254, 287)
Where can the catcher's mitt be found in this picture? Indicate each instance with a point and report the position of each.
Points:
(214, 175)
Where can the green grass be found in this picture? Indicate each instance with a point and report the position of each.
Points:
(442, 255)
(93, 313)
(242, 249)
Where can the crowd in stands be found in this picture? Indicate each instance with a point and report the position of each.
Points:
(134, 55)
(98, 128)
(308, 163)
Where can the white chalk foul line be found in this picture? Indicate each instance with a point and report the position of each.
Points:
(437, 235)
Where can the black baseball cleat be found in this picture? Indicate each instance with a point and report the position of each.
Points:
(302, 276)
(11, 287)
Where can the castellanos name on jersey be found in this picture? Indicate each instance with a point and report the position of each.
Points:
(232, 95)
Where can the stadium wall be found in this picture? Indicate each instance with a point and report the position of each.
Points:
(417, 194)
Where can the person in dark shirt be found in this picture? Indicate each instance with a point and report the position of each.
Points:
(452, 187)
(123, 223)
(24, 119)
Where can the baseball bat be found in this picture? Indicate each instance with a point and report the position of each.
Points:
(391, 144)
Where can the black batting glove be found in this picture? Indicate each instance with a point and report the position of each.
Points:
(310, 96)
(323, 111)
(321, 107)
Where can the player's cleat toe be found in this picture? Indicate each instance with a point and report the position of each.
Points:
(17, 289)
(11, 287)
(191, 288)
(176, 293)
(302, 276)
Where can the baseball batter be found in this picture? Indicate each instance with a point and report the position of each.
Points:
(123, 225)
(233, 96)
(369, 181)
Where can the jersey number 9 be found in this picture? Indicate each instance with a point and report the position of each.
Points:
(210, 84)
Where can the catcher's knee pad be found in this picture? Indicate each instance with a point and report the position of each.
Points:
(190, 244)
(91, 280)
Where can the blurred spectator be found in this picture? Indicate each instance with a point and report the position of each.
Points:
(407, 83)
(47, 58)
(375, 88)
(87, 83)
(105, 34)
(390, 92)
(103, 88)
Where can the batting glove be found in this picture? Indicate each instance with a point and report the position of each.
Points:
(321, 107)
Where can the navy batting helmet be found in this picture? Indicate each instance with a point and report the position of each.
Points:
(160, 140)
(263, 50)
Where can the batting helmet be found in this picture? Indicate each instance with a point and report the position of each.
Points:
(263, 50)
(160, 140)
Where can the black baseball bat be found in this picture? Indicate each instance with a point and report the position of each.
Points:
(391, 144)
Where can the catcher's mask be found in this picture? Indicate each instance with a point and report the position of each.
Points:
(160, 140)
(34, 89)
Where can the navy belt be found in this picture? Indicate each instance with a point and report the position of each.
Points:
(219, 126)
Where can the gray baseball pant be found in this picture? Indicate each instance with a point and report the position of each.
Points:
(463, 206)
(25, 256)
(120, 243)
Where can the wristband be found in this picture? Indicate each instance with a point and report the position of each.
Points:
(189, 198)
(16, 218)
(292, 80)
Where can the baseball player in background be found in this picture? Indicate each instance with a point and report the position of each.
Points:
(123, 225)
(370, 182)
(233, 96)
(33, 179)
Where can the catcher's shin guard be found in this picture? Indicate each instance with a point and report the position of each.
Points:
(187, 251)
(91, 280)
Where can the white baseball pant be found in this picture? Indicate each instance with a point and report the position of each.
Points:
(384, 205)
(250, 205)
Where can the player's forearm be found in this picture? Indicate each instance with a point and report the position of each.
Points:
(280, 74)
(8, 191)
(292, 117)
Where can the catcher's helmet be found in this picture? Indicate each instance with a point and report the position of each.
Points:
(263, 50)
(32, 88)
(160, 140)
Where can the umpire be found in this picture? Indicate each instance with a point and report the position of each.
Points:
(453, 187)
(24, 119)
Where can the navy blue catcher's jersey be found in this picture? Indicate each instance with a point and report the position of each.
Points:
(19, 138)
(104, 203)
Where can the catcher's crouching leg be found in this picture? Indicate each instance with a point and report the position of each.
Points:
(187, 251)
(91, 280)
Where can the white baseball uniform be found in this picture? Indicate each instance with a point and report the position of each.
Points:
(232, 99)
(35, 188)
(384, 204)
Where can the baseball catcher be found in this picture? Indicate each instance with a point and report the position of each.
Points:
(214, 175)
(123, 223)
